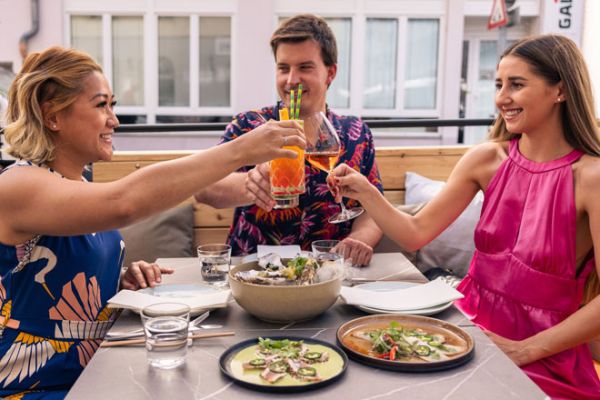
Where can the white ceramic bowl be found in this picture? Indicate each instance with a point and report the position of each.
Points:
(288, 303)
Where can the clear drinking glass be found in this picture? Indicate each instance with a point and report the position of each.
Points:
(323, 149)
(166, 331)
(214, 263)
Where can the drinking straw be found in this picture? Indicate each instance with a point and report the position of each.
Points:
(292, 102)
(283, 114)
(297, 116)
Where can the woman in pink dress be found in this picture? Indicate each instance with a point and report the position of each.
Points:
(533, 281)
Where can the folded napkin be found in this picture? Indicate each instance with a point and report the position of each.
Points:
(413, 298)
(290, 251)
(135, 300)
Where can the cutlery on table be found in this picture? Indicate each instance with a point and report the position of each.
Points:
(358, 281)
(129, 342)
(194, 326)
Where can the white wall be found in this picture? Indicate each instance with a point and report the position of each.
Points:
(590, 42)
(15, 20)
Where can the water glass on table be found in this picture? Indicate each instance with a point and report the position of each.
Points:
(166, 332)
(323, 250)
(215, 260)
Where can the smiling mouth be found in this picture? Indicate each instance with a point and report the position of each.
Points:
(510, 114)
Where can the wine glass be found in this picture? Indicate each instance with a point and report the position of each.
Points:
(323, 150)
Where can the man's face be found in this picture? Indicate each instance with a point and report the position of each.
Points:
(302, 63)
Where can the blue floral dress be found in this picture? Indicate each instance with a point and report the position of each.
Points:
(53, 315)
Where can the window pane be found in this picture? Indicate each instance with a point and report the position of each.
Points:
(380, 59)
(128, 60)
(420, 80)
(173, 61)
(86, 35)
(339, 91)
(215, 61)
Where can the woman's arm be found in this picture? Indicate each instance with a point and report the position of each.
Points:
(33, 201)
(471, 173)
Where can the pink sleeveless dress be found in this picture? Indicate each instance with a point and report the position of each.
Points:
(523, 278)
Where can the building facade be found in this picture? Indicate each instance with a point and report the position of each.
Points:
(205, 60)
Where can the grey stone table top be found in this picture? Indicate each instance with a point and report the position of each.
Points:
(123, 373)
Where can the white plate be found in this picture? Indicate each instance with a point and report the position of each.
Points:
(389, 286)
(181, 291)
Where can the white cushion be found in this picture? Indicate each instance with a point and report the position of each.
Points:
(454, 247)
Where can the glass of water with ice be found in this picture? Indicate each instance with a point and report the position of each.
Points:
(214, 263)
(166, 331)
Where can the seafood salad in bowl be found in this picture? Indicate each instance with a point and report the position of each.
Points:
(286, 290)
(301, 270)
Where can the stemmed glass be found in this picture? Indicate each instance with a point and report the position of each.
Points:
(323, 150)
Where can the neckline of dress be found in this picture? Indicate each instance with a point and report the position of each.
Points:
(535, 166)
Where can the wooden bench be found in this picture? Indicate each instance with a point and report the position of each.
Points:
(212, 225)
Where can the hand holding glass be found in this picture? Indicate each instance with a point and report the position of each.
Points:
(323, 148)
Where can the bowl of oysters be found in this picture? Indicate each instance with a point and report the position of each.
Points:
(277, 289)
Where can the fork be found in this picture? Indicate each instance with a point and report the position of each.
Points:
(194, 326)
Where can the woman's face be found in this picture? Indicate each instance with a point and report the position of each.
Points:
(84, 130)
(526, 101)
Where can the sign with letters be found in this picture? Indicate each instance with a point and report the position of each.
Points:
(564, 17)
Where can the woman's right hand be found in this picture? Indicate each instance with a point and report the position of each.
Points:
(345, 181)
(266, 142)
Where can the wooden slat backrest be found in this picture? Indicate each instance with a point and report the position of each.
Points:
(212, 225)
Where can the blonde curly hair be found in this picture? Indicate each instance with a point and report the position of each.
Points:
(52, 79)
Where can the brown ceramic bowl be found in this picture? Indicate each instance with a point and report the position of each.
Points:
(283, 303)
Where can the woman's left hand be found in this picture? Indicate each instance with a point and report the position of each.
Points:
(141, 274)
(515, 350)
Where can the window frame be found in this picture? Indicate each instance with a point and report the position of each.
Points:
(358, 37)
(150, 12)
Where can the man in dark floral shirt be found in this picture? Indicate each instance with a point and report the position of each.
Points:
(305, 52)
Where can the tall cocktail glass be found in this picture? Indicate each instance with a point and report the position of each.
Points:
(287, 179)
(323, 149)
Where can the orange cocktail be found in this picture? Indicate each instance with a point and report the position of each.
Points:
(287, 179)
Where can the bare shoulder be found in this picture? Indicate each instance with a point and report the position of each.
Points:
(482, 161)
(587, 174)
(20, 182)
(488, 152)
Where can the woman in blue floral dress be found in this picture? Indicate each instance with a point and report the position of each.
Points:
(60, 253)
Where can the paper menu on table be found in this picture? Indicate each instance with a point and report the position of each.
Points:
(413, 298)
(136, 301)
(288, 251)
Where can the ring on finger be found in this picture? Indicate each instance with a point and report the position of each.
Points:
(284, 141)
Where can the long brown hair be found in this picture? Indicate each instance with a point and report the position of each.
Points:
(54, 76)
(556, 59)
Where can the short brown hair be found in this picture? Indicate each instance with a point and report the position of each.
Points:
(55, 76)
(307, 27)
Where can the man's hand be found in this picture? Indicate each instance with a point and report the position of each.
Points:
(258, 186)
(141, 274)
(354, 249)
